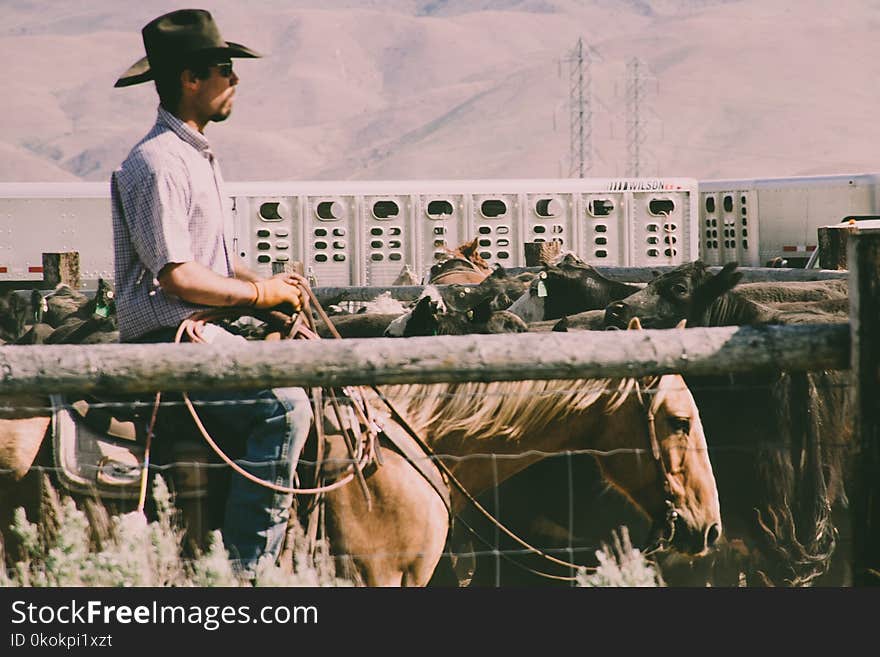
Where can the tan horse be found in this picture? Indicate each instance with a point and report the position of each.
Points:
(647, 434)
(399, 540)
(24, 421)
(465, 265)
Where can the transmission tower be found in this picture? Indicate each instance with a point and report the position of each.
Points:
(636, 132)
(581, 110)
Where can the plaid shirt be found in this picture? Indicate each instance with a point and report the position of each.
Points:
(167, 208)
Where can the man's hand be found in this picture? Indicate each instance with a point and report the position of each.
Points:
(197, 284)
(281, 288)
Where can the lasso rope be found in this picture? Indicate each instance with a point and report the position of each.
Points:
(192, 328)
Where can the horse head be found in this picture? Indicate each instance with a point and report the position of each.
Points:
(677, 490)
(464, 265)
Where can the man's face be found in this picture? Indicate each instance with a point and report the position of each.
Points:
(214, 95)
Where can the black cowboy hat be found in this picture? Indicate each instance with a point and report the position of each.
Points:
(173, 38)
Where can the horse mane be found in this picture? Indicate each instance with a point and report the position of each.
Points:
(508, 409)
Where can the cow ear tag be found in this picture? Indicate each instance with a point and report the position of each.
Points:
(542, 289)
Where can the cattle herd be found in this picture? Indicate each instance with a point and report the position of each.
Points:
(779, 443)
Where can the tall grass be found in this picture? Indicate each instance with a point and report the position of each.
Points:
(620, 564)
(141, 553)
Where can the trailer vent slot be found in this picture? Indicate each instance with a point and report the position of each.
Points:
(548, 207)
(661, 207)
(385, 209)
(493, 208)
(330, 211)
(600, 207)
(269, 212)
(439, 209)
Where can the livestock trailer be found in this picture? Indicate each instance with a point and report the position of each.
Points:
(752, 221)
(366, 232)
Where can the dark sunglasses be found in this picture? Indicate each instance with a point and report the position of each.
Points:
(224, 69)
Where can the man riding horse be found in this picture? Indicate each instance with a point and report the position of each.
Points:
(173, 258)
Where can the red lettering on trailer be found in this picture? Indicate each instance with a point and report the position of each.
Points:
(3, 270)
(789, 248)
(35, 270)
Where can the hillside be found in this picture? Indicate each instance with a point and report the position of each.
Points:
(455, 89)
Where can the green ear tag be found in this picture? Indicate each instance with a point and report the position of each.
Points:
(542, 289)
(102, 311)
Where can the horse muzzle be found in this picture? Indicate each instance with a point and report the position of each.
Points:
(676, 533)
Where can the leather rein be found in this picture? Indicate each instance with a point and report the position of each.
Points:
(362, 449)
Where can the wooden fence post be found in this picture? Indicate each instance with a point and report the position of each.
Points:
(538, 253)
(832, 246)
(61, 268)
(864, 259)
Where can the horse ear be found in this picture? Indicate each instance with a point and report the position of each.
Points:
(728, 276)
(469, 248)
(634, 325)
(682, 324)
(498, 271)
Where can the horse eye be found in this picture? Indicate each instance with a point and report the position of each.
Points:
(679, 289)
(680, 424)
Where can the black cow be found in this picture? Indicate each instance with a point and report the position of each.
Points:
(459, 308)
(568, 287)
(693, 293)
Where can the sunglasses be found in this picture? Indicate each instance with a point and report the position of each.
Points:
(224, 69)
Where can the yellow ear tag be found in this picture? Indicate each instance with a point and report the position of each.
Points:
(542, 289)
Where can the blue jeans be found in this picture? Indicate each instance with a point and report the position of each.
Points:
(256, 517)
(273, 426)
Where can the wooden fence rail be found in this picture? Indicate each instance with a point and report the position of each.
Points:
(142, 368)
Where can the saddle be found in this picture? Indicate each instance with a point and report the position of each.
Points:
(98, 448)
(99, 445)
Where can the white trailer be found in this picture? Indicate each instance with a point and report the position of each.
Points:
(755, 220)
(364, 233)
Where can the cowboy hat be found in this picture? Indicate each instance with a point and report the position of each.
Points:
(173, 38)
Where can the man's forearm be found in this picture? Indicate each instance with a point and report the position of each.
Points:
(196, 283)
(243, 272)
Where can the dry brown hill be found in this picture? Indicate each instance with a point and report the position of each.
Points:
(455, 89)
